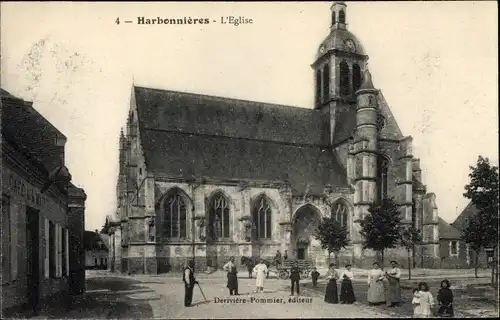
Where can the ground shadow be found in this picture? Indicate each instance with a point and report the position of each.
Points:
(103, 299)
(200, 303)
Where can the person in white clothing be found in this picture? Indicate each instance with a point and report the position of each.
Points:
(261, 271)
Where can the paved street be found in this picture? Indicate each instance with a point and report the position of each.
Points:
(114, 296)
(166, 300)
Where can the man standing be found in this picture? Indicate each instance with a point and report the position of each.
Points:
(295, 277)
(232, 278)
(277, 259)
(189, 282)
(285, 256)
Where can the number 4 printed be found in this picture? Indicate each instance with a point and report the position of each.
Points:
(117, 20)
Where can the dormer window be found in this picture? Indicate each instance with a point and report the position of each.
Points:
(334, 18)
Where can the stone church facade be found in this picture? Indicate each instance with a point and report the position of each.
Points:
(212, 177)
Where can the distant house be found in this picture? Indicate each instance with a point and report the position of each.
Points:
(96, 250)
(452, 250)
(469, 256)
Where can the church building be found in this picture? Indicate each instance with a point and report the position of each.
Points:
(212, 177)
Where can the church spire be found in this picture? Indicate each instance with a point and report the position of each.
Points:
(339, 12)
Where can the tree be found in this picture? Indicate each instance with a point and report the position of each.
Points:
(381, 229)
(473, 235)
(332, 235)
(410, 237)
(482, 190)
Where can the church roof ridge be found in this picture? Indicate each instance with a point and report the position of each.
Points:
(222, 98)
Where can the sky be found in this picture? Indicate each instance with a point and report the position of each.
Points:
(435, 62)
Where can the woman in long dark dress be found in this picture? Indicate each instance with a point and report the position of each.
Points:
(331, 294)
(445, 300)
(346, 290)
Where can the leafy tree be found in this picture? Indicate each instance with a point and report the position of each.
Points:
(332, 236)
(482, 190)
(381, 229)
(410, 237)
(473, 235)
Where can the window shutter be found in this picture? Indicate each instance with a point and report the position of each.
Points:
(47, 249)
(55, 250)
(66, 239)
(13, 246)
(58, 245)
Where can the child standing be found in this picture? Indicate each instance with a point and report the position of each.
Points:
(426, 301)
(315, 276)
(445, 300)
(415, 302)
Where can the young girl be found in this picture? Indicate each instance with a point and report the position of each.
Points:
(415, 302)
(445, 300)
(426, 301)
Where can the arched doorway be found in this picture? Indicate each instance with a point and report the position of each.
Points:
(305, 224)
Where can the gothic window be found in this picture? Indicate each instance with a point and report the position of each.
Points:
(219, 218)
(262, 218)
(341, 16)
(318, 86)
(383, 169)
(326, 82)
(175, 220)
(356, 77)
(344, 79)
(333, 18)
(340, 213)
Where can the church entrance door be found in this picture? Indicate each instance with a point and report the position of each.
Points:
(305, 224)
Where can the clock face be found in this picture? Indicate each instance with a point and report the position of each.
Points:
(322, 49)
(350, 44)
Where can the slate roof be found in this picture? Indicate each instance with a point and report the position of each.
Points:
(202, 114)
(447, 231)
(187, 135)
(469, 211)
(29, 132)
(92, 239)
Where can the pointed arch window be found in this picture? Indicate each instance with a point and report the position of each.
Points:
(356, 77)
(262, 219)
(341, 16)
(175, 217)
(340, 213)
(318, 86)
(383, 171)
(344, 79)
(334, 18)
(219, 218)
(326, 82)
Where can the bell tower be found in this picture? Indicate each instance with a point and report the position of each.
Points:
(340, 63)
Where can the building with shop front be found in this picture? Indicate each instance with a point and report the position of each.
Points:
(42, 211)
(213, 177)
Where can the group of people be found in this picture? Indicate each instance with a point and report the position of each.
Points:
(346, 290)
(422, 302)
(376, 291)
